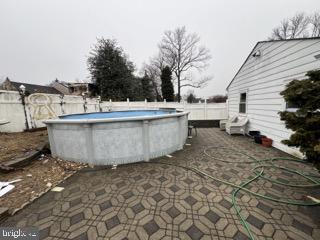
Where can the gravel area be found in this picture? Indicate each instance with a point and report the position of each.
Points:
(14, 145)
(38, 177)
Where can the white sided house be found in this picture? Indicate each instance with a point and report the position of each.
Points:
(254, 92)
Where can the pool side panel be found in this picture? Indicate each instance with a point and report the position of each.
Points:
(70, 142)
(119, 142)
(164, 136)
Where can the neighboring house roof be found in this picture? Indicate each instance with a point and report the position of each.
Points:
(252, 51)
(74, 88)
(33, 88)
(68, 84)
(77, 83)
(65, 84)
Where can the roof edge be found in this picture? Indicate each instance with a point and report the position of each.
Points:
(242, 64)
(290, 39)
(266, 41)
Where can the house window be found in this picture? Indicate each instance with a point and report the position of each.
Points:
(291, 106)
(243, 103)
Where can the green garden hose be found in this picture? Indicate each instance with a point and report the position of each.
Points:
(259, 173)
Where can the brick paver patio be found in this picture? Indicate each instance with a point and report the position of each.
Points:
(157, 201)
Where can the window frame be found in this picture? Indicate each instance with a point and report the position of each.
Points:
(243, 102)
(289, 109)
(285, 103)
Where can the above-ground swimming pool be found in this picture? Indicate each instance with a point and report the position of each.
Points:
(119, 137)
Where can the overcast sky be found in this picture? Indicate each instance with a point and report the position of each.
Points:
(43, 40)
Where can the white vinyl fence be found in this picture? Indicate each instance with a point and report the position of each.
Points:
(28, 112)
(198, 111)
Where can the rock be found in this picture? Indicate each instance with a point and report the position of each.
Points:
(49, 184)
(29, 175)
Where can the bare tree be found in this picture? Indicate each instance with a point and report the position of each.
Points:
(181, 52)
(300, 25)
(158, 62)
(282, 31)
(315, 24)
(153, 71)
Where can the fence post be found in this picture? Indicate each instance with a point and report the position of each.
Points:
(205, 109)
(145, 104)
(61, 103)
(128, 103)
(110, 105)
(84, 102)
(99, 103)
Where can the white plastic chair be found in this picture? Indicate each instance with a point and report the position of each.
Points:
(222, 123)
(237, 125)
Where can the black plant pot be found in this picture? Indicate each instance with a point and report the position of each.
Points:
(258, 139)
(254, 133)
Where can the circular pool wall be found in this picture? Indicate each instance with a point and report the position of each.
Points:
(107, 138)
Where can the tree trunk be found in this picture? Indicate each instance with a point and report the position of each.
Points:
(179, 97)
(155, 87)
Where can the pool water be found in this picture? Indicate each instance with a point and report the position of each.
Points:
(119, 114)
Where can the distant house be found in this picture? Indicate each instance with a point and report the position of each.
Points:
(254, 92)
(60, 86)
(29, 88)
(74, 88)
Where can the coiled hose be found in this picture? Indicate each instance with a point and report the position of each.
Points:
(258, 170)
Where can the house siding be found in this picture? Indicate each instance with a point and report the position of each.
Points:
(264, 77)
